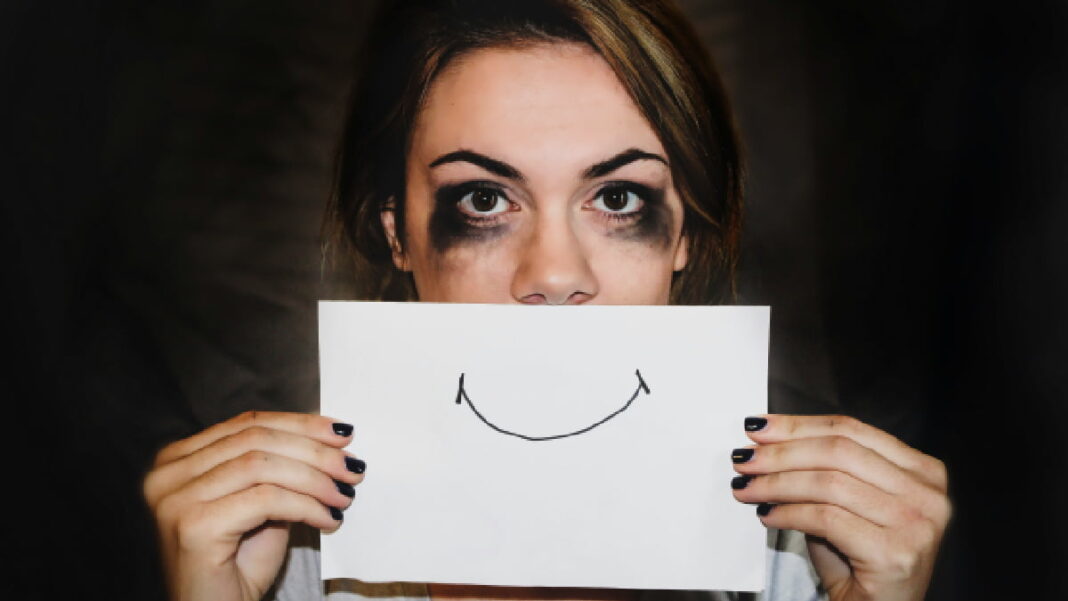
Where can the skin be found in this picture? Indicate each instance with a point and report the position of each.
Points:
(554, 227)
(223, 500)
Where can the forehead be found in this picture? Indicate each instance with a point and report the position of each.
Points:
(547, 104)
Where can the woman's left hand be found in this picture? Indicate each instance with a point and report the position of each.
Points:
(874, 509)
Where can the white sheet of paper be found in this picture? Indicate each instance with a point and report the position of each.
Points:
(642, 500)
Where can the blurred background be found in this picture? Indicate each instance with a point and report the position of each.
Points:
(167, 164)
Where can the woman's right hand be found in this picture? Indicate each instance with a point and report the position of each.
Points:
(223, 499)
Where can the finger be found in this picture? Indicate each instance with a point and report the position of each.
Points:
(259, 467)
(330, 460)
(778, 428)
(324, 429)
(836, 453)
(824, 487)
(860, 540)
(224, 521)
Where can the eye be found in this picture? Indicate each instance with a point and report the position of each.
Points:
(483, 202)
(618, 200)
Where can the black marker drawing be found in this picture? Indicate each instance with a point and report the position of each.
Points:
(461, 395)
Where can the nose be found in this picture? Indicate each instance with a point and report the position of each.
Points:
(553, 269)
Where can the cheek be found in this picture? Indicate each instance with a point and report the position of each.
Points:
(633, 273)
(635, 266)
(465, 273)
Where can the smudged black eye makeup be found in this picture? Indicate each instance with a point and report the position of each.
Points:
(633, 211)
(477, 211)
(468, 211)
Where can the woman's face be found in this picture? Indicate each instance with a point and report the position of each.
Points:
(533, 178)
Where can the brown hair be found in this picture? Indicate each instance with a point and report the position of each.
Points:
(649, 45)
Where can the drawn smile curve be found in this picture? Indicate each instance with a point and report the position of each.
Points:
(461, 395)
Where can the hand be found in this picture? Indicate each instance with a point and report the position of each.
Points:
(874, 509)
(223, 499)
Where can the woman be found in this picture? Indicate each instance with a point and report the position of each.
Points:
(553, 152)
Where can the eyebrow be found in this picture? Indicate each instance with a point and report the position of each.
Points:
(505, 170)
(624, 158)
(492, 165)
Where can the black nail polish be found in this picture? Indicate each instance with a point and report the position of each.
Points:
(336, 514)
(342, 429)
(755, 424)
(356, 466)
(764, 509)
(741, 455)
(740, 482)
(345, 489)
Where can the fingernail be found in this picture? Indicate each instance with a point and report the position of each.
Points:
(345, 489)
(764, 509)
(740, 482)
(755, 424)
(336, 514)
(741, 455)
(342, 429)
(356, 466)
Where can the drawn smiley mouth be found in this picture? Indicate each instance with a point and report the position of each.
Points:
(461, 395)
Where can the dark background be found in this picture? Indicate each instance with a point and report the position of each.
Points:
(167, 163)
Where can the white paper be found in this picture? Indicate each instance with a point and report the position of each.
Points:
(642, 500)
